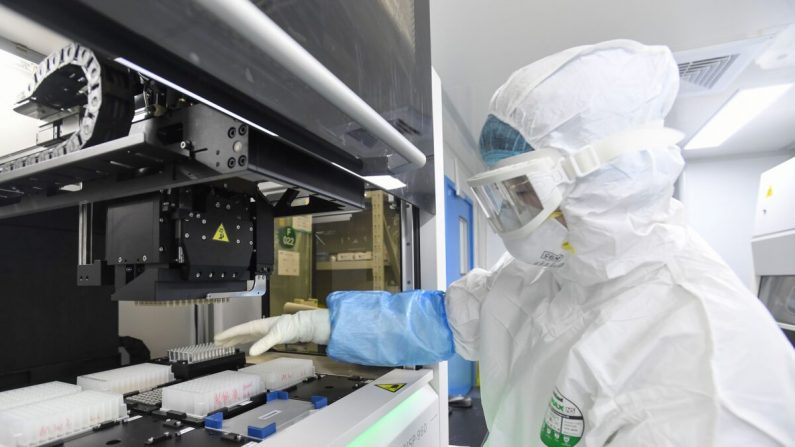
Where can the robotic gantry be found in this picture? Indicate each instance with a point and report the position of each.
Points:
(176, 198)
(187, 194)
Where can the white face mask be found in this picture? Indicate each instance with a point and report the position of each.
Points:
(543, 247)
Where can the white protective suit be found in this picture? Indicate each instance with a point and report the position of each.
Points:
(645, 337)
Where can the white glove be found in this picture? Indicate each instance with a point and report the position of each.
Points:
(305, 326)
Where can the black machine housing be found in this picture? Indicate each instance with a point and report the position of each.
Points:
(183, 244)
(184, 195)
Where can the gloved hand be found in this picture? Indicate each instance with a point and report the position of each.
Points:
(305, 326)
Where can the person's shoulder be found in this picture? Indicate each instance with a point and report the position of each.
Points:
(703, 276)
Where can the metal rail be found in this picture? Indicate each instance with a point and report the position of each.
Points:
(254, 25)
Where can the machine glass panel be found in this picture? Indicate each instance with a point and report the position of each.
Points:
(316, 255)
(778, 294)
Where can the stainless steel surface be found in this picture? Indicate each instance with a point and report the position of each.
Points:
(84, 234)
(283, 413)
(325, 365)
(789, 327)
(204, 323)
(32, 170)
(263, 33)
(258, 288)
(408, 246)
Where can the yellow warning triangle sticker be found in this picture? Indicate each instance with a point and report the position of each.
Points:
(391, 387)
(769, 191)
(220, 234)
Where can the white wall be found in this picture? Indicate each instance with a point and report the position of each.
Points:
(720, 199)
(459, 166)
(18, 131)
(462, 161)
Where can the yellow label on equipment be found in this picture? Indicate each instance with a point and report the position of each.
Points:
(220, 234)
(770, 191)
(391, 387)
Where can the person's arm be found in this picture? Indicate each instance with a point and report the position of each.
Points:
(380, 328)
(385, 329)
(464, 300)
(362, 327)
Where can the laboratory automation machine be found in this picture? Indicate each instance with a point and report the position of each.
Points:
(773, 244)
(171, 137)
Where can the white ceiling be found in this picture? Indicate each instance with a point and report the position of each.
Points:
(476, 45)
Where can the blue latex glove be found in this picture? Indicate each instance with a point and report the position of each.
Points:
(385, 329)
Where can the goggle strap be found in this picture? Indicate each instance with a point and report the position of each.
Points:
(592, 157)
(482, 205)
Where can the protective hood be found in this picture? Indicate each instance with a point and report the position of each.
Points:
(623, 215)
(583, 94)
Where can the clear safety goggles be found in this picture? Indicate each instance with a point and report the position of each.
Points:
(518, 197)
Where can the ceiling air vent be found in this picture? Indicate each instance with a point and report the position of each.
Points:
(706, 72)
(712, 69)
